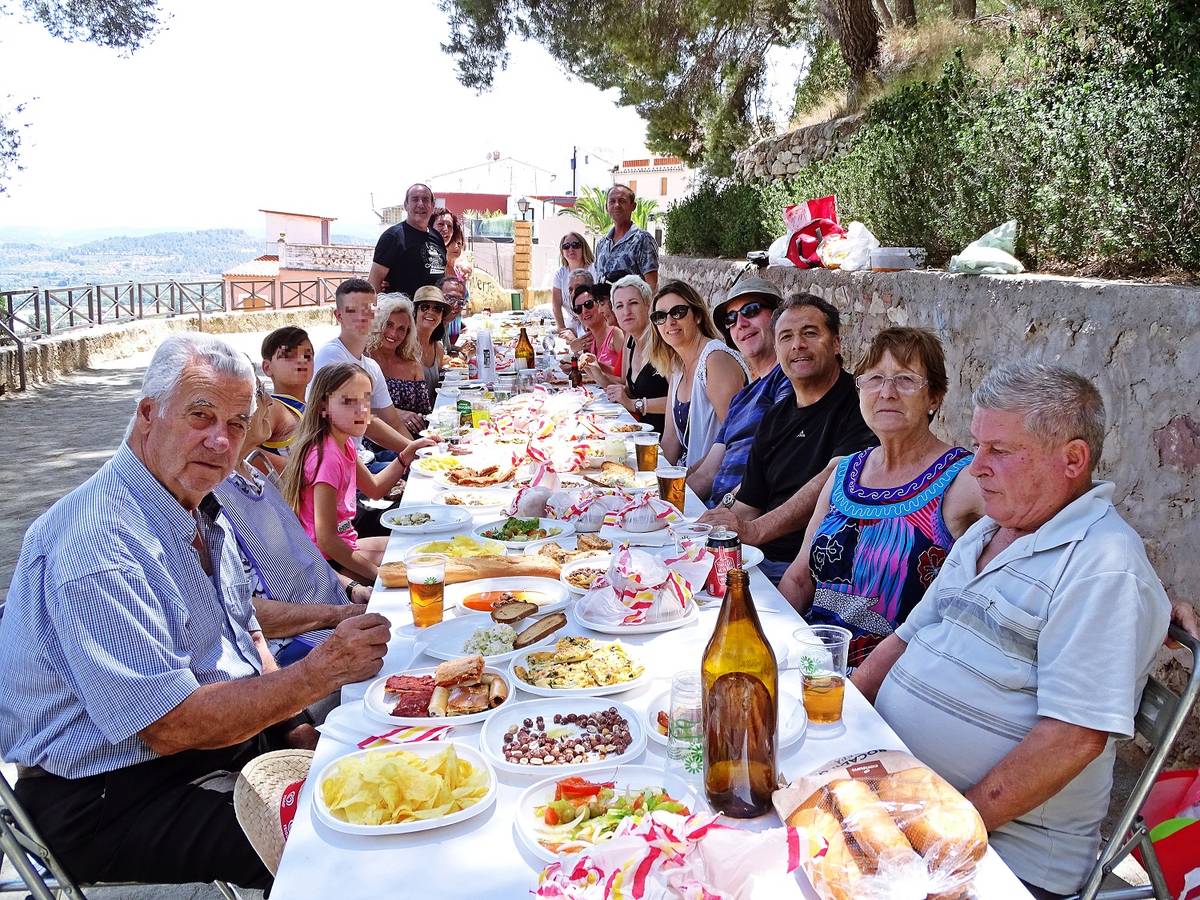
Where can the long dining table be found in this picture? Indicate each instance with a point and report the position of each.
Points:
(482, 856)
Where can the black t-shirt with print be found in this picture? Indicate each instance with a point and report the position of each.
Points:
(792, 445)
(413, 258)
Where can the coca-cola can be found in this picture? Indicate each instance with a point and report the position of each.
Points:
(726, 548)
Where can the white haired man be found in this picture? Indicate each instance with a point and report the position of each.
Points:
(132, 663)
(1028, 653)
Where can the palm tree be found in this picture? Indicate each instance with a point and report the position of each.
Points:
(591, 209)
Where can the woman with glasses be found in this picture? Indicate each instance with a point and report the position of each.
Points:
(430, 309)
(887, 515)
(639, 388)
(600, 344)
(704, 372)
(574, 253)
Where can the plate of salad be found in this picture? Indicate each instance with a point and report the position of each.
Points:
(517, 532)
(564, 815)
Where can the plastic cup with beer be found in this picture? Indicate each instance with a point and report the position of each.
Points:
(823, 650)
(426, 586)
(672, 484)
(645, 448)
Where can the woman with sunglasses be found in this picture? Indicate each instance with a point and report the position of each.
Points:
(431, 308)
(704, 372)
(574, 253)
(887, 516)
(600, 344)
(641, 390)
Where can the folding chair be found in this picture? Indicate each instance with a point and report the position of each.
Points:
(1159, 718)
(40, 871)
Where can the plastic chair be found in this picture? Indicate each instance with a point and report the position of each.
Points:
(1159, 718)
(38, 869)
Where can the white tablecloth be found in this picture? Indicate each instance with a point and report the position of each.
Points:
(482, 857)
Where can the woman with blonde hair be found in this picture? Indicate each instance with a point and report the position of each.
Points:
(393, 344)
(704, 373)
(640, 389)
(574, 253)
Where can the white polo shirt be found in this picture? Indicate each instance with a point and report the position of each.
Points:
(1064, 623)
(335, 352)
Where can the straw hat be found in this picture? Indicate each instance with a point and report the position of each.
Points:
(429, 294)
(753, 284)
(264, 800)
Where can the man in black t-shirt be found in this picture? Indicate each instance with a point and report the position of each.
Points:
(798, 437)
(411, 254)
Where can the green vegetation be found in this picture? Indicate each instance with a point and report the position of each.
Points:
(591, 208)
(1087, 132)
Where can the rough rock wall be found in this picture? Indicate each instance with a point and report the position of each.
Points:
(787, 154)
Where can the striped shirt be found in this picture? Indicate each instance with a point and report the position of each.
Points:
(111, 621)
(284, 564)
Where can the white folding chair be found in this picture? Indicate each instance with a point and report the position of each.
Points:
(38, 869)
(1159, 718)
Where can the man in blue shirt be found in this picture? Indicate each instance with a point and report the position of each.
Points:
(744, 319)
(626, 249)
(132, 663)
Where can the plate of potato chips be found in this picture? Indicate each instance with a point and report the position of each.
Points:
(404, 788)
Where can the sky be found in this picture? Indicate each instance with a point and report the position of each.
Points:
(301, 106)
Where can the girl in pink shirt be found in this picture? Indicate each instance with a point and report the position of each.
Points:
(323, 469)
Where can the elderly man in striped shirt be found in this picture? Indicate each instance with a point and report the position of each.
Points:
(132, 663)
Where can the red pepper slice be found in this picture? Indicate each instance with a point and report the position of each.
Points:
(551, 817)
(574, 788)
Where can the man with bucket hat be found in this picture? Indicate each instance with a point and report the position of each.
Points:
(744, 320)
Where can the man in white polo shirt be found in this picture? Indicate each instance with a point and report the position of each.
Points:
(1029, 652)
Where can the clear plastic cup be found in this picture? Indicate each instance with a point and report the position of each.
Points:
(823, 651)
(426, 574)
(685, 721)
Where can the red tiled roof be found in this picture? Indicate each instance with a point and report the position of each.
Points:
(265, 266)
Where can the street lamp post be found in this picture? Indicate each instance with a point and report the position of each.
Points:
(523, 205)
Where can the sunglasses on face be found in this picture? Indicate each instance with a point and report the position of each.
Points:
(427, 305)
(678, 313)
(587, 304)
(749, 311)
(572, 245)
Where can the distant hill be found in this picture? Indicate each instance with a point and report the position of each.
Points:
(172, 254)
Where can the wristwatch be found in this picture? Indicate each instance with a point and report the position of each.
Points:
(350, 590)
(727, 501)
(639, 406)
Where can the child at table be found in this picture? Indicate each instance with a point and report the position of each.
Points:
(323, 469)
(287, 359)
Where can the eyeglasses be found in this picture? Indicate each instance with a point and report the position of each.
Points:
(572, 245)
(675, 312)
(586, 304)
(905, 384)
(748, 311)
(427, 305)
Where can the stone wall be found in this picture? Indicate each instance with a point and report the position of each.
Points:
(49, 358)
(787, 154)
(1140, 344)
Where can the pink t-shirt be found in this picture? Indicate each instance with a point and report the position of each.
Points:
(337, 468)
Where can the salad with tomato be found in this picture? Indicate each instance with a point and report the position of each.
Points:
(584, 813)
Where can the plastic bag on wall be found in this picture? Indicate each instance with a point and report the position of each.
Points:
(806, 225)
(850, 251)
(992, 254)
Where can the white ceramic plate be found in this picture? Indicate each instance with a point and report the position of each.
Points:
(445, 640)
(557, 596)
(601, 691)
(427, 548)
(424, 467)
(482, 499)
(793, 721)
(443, 518)
(467, 753)
(599, 561)
(557, 528)
(751, 556)
(377, 707)
(491, 738)
(623, 430)
(645, 628)
(633, 778)
(442, 479)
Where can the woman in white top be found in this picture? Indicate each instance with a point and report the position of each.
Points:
(574, 253)
(704, 372)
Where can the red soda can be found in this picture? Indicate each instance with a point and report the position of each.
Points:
(726, 548)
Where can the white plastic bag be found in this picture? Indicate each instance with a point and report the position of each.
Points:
(992, 254)
(850, 251)
(777, 252)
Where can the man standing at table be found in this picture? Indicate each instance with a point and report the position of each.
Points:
(410, 254)
(626, 249)
(744, 319)
(133, 667)
(798, 438)
(1028, 654)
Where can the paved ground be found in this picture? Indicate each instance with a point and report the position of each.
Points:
(56, 436)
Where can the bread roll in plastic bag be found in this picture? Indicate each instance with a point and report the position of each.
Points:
(882, 825)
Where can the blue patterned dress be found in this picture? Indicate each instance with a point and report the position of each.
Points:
(878, 549)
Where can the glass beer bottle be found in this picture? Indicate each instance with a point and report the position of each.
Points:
(740, 685)
(524, 355)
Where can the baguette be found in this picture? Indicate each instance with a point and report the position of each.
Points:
(472, 568)
(836, 872)
(539, 629)
(866, 819)
(939, 822)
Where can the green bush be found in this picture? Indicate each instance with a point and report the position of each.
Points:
(717, 219)
(1092, 144)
